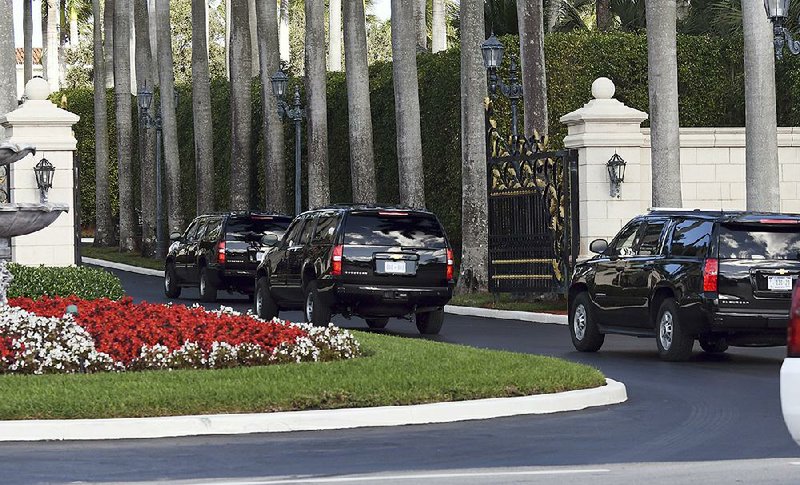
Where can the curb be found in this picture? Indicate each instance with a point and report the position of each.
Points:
(314, 420)
(122, 267)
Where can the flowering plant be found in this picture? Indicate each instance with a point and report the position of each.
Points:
(36, 336)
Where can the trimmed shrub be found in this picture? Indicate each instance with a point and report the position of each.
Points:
(83, 282)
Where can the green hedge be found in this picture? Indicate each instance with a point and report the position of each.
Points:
(710, 84)
(83, 282)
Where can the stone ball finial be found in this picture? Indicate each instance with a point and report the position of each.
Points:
(37, 89)
(603, 88)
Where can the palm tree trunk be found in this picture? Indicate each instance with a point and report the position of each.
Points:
(201, 110)
(761, 132)
(406, 102)
(439, 34)
(421, 26)
(122, 98)
(254, 52)
(8, 63)
(228, 38)
(104, 232)
(530, 15)
(603, 15)
(284, 32)
(318, 189)
(145, 76)
(74, 35)
(553, 13)
(108, 21)
(241, 119)
(474, 207)
(274, 157)
(335, 29)
(51, 45)
(27, 32)
(152, 25)
(662, 76)
(362, 157)
(169, 121)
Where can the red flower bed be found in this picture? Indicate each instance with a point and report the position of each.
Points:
(120, 328)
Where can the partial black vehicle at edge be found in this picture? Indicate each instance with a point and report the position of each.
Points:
(723, 278)
(374, 262)
(220, 252)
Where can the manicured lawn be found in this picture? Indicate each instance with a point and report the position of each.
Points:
(394, 371)
(505, 301)
(117, 256)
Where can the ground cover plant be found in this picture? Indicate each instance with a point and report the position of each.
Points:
(81, 281)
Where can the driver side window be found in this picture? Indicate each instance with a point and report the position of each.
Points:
(625, 242)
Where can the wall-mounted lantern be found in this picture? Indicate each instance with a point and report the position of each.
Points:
(616, 174)
(44, 171)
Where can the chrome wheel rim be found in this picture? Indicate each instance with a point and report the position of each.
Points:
(665, 329)
(167, 280)
(259, 303)
(579, 322)
(202, 284)
(309, 307)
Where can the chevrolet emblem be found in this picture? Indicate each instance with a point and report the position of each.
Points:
(397, 256)
(782, 271)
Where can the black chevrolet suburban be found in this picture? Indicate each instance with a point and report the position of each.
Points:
(375, 262)
(722, 278)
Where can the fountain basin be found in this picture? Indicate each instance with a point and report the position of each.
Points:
(22, 218)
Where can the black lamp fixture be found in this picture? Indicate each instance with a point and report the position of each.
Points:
(492, 51)
(145, 98)
(280, 82)
(616, 174)
(778, 12)
(44, 171)
(295, 113)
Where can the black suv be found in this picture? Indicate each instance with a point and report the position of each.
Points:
(373, 262)
(723, 278)
(220, 252)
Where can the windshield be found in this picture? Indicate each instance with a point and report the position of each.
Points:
(238, 229)
(405, 229)
(759, 242)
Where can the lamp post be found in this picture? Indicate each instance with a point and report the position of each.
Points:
(44, 171)
(778, 12)
(294, 112)
(492, 51)
(616, 174)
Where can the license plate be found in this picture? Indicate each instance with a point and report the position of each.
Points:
(394, 267)
(779, 283)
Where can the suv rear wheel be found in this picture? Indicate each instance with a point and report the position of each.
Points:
(171, 287)
(586, 337)
(713, 345)
(377, 323)
(430, 323)
(317, 311)
(266, 308)
(674, 344)
(208, 289)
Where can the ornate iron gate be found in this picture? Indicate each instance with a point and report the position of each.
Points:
(533, 214)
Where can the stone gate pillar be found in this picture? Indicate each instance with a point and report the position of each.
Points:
(40, 123)
(602, 127)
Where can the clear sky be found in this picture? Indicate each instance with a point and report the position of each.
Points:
(37, 23)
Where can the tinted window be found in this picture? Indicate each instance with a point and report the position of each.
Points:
(625, 241)
(195, 231)
(307, 230)
(326, 228)
(404, 229)
(651, 238)
(691, 238)
(192, 229)
(239, 227)
(293, 234)
(743, 242)
(213, 230)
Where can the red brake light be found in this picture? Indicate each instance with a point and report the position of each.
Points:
(710, 272)
(221, 252)
(393, 213)
(449, 265)
(336, 260)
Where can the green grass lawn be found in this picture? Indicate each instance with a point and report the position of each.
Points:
(117, 256)
(504, 301)
(394, 371)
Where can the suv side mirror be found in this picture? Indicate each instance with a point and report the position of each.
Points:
(269, 239)
(598, 246)
(175, 236)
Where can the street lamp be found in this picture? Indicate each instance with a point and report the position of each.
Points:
(616, 174)
(778, 12)
(280, 83)
(44, 171)
(492, 51)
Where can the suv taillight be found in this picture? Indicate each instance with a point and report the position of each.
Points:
(449, 265)
(221, 252)
(336, 260)
(793, 331)
(710, 272)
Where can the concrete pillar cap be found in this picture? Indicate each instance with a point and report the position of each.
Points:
(603, 88)
(37, 89)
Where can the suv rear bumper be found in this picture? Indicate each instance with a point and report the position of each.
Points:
(241, 280)
(388, 301)
(744, 328)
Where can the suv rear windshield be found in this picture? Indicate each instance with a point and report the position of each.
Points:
(238, 228)
(758, 242)
(386, 229)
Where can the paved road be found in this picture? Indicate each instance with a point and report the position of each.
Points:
(713, 408)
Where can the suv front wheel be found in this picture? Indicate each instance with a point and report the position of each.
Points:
(208, 289)
(266, 308)
(674, 344)
(586, 337)
(317, 311)
(171, 287)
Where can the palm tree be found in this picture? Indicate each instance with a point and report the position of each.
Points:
(274, 166)
(284, 31)
(104, 233)
(241, 119)
(662, 77)
(8, 64)
(122, 101)
(475, 239)
(253, 22)
(603, 15)
(169, 122)
(335, 32)
(27, 28)
(318, 188)
(406, 102)
(145, 76)
(421, 24)
(362, 162)
(439, 27)
(201, 110)
(761, 132)
(108, 22)
(534, 78)
(50, 55)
